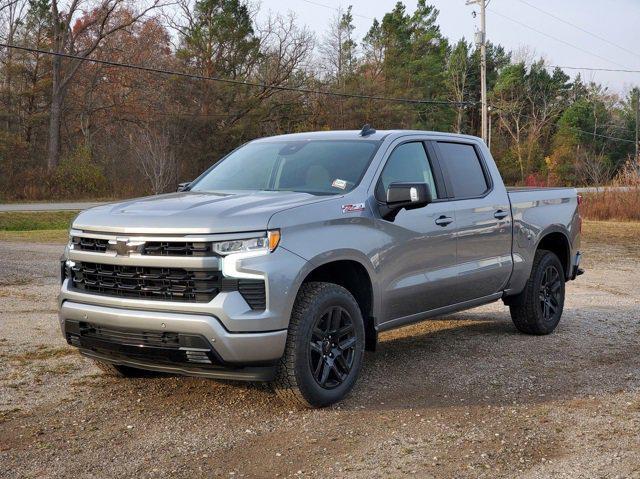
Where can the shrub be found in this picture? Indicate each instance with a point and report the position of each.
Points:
(78, 177)
(621, 203)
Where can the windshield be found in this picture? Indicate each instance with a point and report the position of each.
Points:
(312, 166)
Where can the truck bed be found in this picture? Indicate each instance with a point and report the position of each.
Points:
(536, 212)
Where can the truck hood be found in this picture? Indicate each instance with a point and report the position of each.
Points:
(192, 212)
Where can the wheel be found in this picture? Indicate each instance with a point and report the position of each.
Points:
(325, 346)
(120, 371)
(537, 310)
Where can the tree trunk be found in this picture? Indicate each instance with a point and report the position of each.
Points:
(55, 121)
(55, 117)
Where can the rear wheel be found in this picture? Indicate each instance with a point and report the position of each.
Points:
(538, 309)
(325, 345)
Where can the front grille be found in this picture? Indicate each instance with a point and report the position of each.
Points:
(159, 347)
(162, 284)
(89, 244)
(132, 338)
(165, 248)
(150, 248)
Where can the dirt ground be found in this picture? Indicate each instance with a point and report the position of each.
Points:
(462, 396)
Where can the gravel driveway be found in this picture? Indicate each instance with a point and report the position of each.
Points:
(462, 396)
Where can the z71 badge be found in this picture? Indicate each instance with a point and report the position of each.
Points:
(352, 208)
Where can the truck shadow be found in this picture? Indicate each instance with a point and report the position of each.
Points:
(478, 359)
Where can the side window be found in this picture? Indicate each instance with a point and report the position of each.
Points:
(464, 170)
(408, 163)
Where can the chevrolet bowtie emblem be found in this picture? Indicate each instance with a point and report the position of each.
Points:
(124, 246)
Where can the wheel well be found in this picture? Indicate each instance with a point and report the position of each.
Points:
(558, 244)
(354, 277)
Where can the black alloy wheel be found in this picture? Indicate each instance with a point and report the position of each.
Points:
(325, 347)
(538, 308)
(332, 347)
(549, 295)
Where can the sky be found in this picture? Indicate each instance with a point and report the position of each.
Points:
(612, 24)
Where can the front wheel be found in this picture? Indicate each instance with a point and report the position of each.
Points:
(537, 310)
(324, 349)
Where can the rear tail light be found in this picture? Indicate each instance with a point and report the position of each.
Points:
(579, 216)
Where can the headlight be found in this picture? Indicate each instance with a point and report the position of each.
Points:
(266, 244)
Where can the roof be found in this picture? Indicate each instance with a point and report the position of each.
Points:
(355, 135)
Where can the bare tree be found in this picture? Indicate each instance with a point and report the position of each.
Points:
(78, 30)
(155, 157)
(593, 167)
(338, 50)
(458, 69)
(12, 14)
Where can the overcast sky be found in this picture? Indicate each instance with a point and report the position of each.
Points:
(617, 21)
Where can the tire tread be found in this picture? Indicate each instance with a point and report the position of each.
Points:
(523, 307)
(286, 383)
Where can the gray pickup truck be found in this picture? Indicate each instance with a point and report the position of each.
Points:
(285, 259)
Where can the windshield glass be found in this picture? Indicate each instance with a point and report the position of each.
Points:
(315, 166)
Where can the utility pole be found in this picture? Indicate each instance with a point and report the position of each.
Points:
(489, 132)
(637, 118)
(481, 39)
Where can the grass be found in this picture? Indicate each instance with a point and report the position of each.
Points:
(35, 236)
(28, 221)
(612, 205)
(36, 227)
(611, 232)
(605, 240)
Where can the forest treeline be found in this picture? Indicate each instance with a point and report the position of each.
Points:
(76, 129)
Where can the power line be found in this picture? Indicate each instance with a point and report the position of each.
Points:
(595, 35)
(575, 128)
(615, 138)
(239, 82)
(595, 69)
(554, 38)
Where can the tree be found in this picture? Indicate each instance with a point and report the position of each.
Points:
(338, 51)
(527, 103)
(458, 78)
(77, 33)
(155, 157)
(11, 17)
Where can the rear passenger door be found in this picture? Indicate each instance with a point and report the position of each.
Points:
(483, 221)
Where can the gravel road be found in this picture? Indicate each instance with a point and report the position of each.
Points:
(461, 396)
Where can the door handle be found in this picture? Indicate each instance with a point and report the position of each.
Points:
(444, 220)
(500, 214)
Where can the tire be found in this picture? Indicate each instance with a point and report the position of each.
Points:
(119, 371)
(324, 349)
(538, 309)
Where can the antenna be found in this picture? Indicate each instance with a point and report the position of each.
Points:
(367, 130)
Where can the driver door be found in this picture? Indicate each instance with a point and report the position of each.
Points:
(418, 266)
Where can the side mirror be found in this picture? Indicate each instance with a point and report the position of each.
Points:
(408, 196)
(183, 186)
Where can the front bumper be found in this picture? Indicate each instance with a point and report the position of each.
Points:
(233, 348)
(244, 356)
(243, 343)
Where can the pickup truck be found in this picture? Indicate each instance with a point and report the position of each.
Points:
(284, 260)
